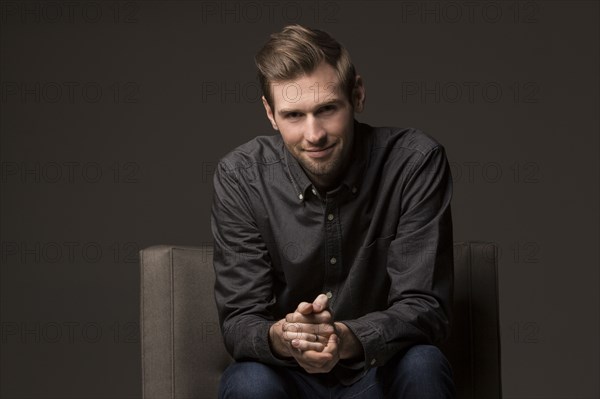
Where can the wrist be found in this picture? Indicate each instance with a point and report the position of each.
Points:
(350, 346)
(276, 344)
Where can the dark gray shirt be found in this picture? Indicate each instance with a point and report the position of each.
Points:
(379, 245)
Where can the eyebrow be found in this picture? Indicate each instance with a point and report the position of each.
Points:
(324, 104)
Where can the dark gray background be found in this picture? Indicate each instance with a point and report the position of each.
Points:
(115, 113)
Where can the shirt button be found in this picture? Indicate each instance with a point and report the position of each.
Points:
(301, 196)
(373, 362)
(329, 294)
(314, 191)
(333, 260)
(330, 216)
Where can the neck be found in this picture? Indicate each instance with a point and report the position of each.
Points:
(329, 182)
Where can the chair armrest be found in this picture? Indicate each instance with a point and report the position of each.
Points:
(183, 355)
(473, 347)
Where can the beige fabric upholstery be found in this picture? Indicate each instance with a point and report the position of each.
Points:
(182, 350)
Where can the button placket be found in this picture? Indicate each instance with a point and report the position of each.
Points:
(333, 234)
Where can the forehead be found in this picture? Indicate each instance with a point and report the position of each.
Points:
(308, 91)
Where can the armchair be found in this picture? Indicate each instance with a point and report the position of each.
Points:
(183, 354)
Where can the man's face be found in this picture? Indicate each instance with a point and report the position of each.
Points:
(316, 121)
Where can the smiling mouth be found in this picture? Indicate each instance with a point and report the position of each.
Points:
(320, 153)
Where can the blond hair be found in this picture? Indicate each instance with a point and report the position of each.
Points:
(298, 50)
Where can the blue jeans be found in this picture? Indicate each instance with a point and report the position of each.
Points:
(421, 372)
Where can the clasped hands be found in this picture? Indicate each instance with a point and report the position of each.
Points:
(312, 338)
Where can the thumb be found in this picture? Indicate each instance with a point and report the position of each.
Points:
(332, 344)
(320, 303)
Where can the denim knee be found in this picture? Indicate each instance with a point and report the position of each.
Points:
(422, 370)
(426, 359)
(252, 380)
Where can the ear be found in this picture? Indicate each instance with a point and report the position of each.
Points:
(359, 95)
(269, 113)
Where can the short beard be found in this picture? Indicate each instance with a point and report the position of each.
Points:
(328, 170)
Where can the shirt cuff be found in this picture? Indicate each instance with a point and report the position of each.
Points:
(262, 348)
(372, 342)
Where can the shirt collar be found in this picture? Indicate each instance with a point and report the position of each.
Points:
(352, 179)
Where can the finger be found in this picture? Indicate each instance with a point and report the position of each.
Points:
(298, 316)
(311, 318)
(323, 317)
(332, 344)
(309, 337)
(312, 361)
(293, 331)
(313, 337)
(305, 308)
(313, 357)
(304, 345)
(299, 330)
(320, 303)
(319, 362)
(319, 339)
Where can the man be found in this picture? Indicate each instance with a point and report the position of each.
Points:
(333, 241)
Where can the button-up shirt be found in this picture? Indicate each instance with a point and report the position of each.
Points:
(379, 245)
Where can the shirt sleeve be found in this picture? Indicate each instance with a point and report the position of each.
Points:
(420, 265)
(243, 275)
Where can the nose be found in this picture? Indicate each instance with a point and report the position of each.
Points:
(315, 134)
